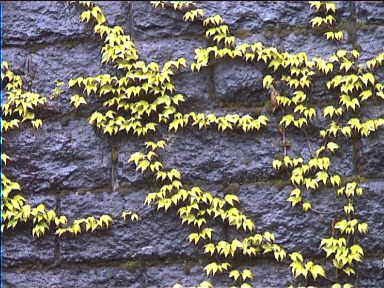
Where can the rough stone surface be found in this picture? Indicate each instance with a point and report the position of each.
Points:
(370, 12)
(68, 165)
(21, 248)
(209, 155)
(290, 224)
(237, 82)
(64, 154)
(159, 23)
(154, 236)
(39, 23)
(370, 162)
(372, 198)
(371, 43)
(63, 61)
(163, 50)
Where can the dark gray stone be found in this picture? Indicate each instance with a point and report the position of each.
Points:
(23, 249)
(81, 276)
(165, 274)
(157, 234)
(20, 248)
(163, 50)
(314, 44)
(308, 40)
(370, 208)
(63, 62)
(149, 22)
(41, 22)
(68, 165)
(197, 89)
(371, 273)
(236, 81)
(233, 154)
(371, 40)
(245, 15)
(126, 274)
(294, 229)
(213, 157)
(64, 154)
(370, 12)
(126, 172)
(370, 149)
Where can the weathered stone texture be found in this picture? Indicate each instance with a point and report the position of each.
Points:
(68, 164)
(49, 159)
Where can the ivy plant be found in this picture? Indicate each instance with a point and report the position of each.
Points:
(139, 98)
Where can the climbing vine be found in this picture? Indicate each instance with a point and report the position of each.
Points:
(141, 97)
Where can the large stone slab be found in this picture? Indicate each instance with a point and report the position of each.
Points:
(63, 62)
(64, 154)
(51, 22)
(294, 229)
(369, 12)
(242, 17)
(370, 161)
(370, 209)
(162, 50)
(149, 22)
(371, 40)
(20, 248)
(157, 234)
(237, 81)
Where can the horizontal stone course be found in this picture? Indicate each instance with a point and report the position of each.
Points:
(40, 22)
(65, 154)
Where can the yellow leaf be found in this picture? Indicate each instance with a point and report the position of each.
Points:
(205, 284)
(317, 270)
(332, 146)
(267, 81)
(307, 206)
(229, 198)
(235, 274)
(246, 274)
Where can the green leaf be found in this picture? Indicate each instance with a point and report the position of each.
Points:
(209, 248)
(335, 180)
(362, 228)
(316, 21)
(86, 15)
(77, 100)
(136, 157)
(329, 111)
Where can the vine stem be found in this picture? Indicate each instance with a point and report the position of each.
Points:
(308, 143)
(325, 212)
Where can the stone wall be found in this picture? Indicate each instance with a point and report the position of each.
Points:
(67, 164)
